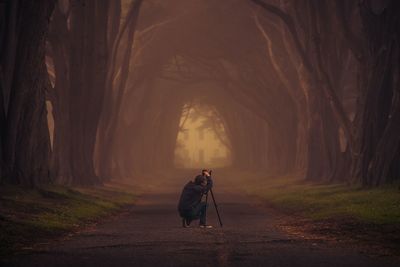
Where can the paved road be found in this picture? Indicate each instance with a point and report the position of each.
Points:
(149, 234)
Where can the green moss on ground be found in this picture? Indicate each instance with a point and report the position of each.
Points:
(328, 201)
(31, 215)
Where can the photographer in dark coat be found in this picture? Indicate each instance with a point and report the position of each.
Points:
(190, 206)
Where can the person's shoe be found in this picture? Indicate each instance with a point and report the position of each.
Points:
(205, 226)
(184, 223)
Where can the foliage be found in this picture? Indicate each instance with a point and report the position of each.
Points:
(330, 201)
(31, 215)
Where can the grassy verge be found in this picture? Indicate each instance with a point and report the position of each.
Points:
(365, 218)
(329, 201)
(28, 216)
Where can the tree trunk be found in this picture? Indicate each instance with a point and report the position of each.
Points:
(379, 107)
(26, 142)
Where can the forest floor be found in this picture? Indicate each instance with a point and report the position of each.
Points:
(149, 233)
(33, 216)
(365, 217)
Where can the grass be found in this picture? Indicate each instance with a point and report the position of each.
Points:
(329, 201)
(31, 215)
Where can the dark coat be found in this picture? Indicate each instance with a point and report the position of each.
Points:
(191, 195)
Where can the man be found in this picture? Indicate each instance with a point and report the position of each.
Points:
(190, 206)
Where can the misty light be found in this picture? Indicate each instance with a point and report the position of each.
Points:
(201, 141)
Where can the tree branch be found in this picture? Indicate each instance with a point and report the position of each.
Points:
(354, 44)
(288, 20)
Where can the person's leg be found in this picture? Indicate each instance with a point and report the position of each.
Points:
(200, 212)
(203, 214)
(186, 218)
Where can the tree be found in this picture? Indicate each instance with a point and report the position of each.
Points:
(80, 55)
(25, 144)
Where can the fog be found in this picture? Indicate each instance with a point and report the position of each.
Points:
(109, 107)
(201, 140)
(274, 86)
(203, 93)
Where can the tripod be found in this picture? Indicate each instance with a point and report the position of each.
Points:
(215, 205)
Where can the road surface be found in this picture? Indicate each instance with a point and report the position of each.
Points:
(150, 234)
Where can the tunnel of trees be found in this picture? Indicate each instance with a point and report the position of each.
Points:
(92, 90)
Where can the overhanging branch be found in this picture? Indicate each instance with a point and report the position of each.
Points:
(288, 20)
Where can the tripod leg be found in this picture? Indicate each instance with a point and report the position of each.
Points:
(205, 210)
(216, 207)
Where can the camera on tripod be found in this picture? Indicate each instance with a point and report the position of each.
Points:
(213, 199)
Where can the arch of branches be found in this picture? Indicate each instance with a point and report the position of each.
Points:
(300, 85)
